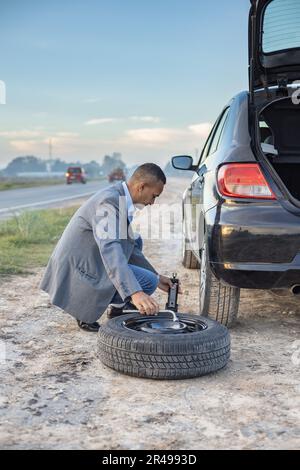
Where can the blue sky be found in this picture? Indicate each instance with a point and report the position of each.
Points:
(145, 78)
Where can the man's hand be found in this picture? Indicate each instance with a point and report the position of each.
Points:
(165, 283)
(144, 303)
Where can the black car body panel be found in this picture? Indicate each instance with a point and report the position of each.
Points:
(254, 245)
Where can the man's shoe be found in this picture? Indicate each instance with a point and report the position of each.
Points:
(92, 327)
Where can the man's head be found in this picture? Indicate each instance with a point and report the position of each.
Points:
(146, 184)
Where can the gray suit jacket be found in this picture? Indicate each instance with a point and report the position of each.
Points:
(90, 261)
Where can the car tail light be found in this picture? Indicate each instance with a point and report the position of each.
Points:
(244, 180)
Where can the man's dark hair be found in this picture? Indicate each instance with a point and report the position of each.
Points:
(149, 170)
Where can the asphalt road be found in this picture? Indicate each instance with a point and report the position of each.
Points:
(15, 200)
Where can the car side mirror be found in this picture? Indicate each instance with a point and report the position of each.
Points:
(183, 162)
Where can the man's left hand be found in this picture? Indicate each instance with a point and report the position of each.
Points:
(165, 283)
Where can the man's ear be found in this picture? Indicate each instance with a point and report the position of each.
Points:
(141, 187)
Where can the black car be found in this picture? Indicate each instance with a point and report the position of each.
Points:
(241, 212)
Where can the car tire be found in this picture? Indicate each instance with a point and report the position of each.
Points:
(216, 300)
(160, 355)
(189, 260)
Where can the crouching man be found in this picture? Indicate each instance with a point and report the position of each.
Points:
(97, 262)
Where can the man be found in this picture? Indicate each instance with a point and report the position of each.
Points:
(98, 262)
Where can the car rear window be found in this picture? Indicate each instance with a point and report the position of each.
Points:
(281, 26)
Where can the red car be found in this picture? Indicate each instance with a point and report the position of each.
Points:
(75, 174)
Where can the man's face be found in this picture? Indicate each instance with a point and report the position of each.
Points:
(148, 192)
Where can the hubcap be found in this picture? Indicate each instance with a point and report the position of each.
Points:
(159, 324)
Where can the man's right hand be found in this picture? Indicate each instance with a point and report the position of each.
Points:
(144, 303)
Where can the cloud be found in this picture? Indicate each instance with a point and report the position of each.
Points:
(153, 136)
(26, 146)
(147, 144)
(146, 119)
(201, 130)
(150, 119)
(22, 133)
(67, 134)
(61, 141)
(94, 122)
(161, 136)
(23, 140)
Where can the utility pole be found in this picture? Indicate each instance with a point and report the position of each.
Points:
(50, 149)
(49, 165)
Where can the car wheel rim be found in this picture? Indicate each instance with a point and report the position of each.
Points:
(159, 325)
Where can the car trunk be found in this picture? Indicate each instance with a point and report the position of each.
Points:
(289, 174)
(280, 141)
(274, 66)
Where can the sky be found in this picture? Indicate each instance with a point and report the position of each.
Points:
(145, 78)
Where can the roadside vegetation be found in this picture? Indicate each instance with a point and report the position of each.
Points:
(16, 183)
(27, 240)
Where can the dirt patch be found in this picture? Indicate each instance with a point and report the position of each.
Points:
(55, 394)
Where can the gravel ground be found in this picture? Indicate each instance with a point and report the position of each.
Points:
(56, 394)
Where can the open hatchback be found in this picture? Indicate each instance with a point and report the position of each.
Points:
(274, 77)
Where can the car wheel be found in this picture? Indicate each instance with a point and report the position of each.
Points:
(132, 345)
(189, 260)
(216, 300)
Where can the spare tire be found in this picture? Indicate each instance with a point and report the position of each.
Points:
(128, 345)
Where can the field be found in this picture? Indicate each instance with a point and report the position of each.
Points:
(56, 394)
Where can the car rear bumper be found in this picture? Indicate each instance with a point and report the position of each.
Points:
(255, 245)
(259, 276)
(75, 180)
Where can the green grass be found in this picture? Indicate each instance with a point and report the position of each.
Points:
(15, 183)
(27, 240)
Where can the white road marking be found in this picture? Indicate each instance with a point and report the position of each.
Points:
(41, 203)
